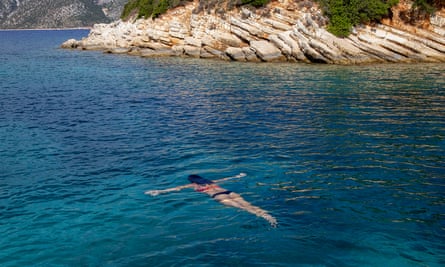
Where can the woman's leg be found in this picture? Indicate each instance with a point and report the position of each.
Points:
(235, 200)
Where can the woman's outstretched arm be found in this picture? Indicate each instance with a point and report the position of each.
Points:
(178, 188)
(229, 178)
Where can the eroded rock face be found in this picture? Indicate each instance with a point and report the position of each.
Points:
(279, 32)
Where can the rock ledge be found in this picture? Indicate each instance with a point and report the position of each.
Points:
(284, 34)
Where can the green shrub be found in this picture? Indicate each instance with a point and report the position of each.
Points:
(154, 8)
(129, 8)
(255, 3)
(424, 5)
(147, 8)
(340, 23)
(344, 14)
(160, 8)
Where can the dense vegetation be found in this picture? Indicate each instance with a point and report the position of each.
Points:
(428, 6)
(255, 3)
(148, 8)
(154, 8)
(342, 14)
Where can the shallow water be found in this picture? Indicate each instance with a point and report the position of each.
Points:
(350, 160)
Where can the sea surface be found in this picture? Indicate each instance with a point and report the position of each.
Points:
(349, 159)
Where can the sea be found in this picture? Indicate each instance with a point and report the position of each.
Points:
(350, 160)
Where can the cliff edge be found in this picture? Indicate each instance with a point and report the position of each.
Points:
(284, 30)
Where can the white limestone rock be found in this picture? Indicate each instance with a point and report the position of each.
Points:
(236, 53)
(266, 51)
(279, 32)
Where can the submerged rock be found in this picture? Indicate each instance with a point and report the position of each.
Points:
(278, 32)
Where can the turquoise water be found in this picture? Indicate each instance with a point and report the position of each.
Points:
(350, 160)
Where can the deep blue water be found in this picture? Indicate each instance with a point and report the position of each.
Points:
(349, 159)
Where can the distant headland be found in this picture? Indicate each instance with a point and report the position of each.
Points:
(284, 30)
(58, 14)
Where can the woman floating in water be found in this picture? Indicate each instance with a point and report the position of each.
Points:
(220, 194)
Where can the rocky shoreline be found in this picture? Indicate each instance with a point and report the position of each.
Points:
(282, 31)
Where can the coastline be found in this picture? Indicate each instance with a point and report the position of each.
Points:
(277, 33)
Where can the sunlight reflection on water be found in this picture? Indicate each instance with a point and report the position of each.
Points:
(349, 159)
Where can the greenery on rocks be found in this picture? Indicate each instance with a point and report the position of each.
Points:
(255, 3)
(344, 14)
(425, 5)
(148, 8)
(161, 8)
(154, 8)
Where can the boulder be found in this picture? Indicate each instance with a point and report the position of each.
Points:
(118, 50)
(216, 53)
(285, 49)
(156, 53)
(293, 45)
(207, 40)
(192, 41)
(192, 51)
(242, 34)
(266, 51)
(178, 50)
(245, 26)
(226, 38)
(309, 52)
(236, 53)
(70, 44)
(250, 54)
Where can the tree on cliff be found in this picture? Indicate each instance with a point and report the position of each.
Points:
(148, 8)
(344, 14)
(154, 8)
(422, 9)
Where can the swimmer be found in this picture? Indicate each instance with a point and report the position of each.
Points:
(220, 194)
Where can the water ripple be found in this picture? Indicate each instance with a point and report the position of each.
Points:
(349, 159)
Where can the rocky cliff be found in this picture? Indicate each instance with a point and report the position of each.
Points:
(284, 30)
(26, 14)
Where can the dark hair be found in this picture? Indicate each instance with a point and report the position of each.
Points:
(199, 180)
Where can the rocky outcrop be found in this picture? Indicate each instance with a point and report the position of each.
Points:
(282, 31)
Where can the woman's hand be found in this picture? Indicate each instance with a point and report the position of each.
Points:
(152, 192)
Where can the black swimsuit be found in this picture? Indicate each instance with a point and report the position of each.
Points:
(221, 193)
